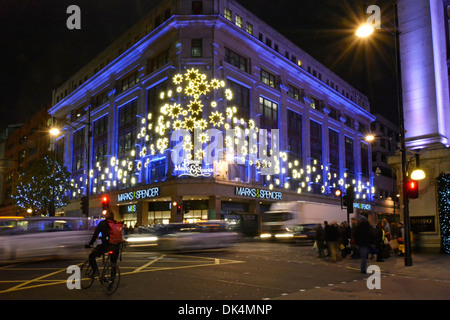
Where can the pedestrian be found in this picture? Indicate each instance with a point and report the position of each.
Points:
(354, 250)
(320, 240)
(387, 229)
(400, 238)
(325, 245)
(379, 241)
(364, 239)
(344, 236)
(332, 239)
(387, 238)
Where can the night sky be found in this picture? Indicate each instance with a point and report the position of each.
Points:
(39, 52)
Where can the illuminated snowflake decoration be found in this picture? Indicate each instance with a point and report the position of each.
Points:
(216, 118)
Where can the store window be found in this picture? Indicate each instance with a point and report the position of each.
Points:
(269, 114)
(228, 14)
(267, 78)
(197, 47)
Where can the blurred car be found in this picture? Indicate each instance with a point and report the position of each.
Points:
(304, 233)
(198, 236)
(23, 238)
(143, 237)
(148, 236)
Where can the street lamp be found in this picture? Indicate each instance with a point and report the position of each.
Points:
(55, 131)
(369, 138)
(418, 173)
(364, 30)
(396, 33)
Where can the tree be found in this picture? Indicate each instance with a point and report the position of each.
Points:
(36, 184)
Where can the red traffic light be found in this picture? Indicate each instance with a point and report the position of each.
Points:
(105, 203)
(412, 189)
(338, 193)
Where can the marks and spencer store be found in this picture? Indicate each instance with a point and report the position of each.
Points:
(205, 110)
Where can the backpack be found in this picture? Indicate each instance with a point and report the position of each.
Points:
(115, 232)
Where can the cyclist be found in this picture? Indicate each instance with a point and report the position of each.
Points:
(103, 228)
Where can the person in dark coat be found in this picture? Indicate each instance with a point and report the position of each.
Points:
(379, 242)
(364, 239)
(320, 239)
(332, 239)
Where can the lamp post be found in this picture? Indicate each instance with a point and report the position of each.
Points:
(364, 32)
(54, 131)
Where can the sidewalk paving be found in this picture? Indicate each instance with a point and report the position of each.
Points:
(424, 265)
(427, 279)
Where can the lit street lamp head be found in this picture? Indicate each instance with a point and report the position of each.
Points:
(418, 174)
(54, 131)
(364, 30)
(370, 138)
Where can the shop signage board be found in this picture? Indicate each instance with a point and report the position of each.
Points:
(258, 193)
(362, 206)
(138, 194)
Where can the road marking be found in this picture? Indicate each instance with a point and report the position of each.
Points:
(42, 281)
(148, 264)
(21, 285)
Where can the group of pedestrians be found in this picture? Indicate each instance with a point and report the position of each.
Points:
(358, 240)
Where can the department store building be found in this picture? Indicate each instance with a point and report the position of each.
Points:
(199, 66)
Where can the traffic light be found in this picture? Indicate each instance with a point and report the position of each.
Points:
(105, 204)
(186, 207)
(412, 189)
(178, 206)
(349, 198)
(84, 205)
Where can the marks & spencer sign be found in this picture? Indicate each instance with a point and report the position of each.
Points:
(138, 194)
(258, 193)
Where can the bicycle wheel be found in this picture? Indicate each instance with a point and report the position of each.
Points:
(87, 278)
(110, 278)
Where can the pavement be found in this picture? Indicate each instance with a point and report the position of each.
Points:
(427, 279)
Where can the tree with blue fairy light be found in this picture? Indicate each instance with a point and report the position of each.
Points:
(443, 183)
(43, 182)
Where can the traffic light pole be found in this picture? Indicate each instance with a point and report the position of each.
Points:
(88, 158)
(407, 239)
(85, 204)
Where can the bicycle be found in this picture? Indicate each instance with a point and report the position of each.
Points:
(109, 277)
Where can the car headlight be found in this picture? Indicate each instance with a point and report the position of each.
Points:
(284, 235)
(142, 239)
